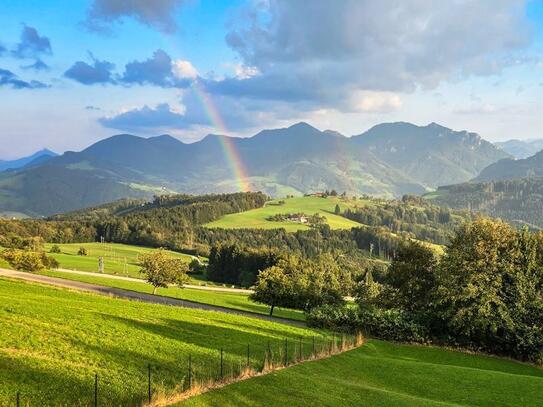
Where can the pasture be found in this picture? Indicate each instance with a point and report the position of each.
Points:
(257, 218)
(386, 374)
(118, 258)
(54, 341)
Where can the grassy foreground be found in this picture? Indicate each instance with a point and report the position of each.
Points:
(385, 374)
(118, 258)
(53, 341)
(309, 205)
(239, 301)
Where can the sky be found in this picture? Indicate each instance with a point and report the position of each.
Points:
(72, 73)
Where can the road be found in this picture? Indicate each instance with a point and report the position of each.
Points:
(133, 295)
(139, 280)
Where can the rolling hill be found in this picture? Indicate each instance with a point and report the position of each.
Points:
(513, 169)
(37, 158)
(388, 160)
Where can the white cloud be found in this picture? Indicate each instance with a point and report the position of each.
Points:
(376, 102)
(184, 69)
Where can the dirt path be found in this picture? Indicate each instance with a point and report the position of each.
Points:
(139, 280)
(133, 295)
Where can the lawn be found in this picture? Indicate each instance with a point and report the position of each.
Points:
(53, 341)
(238, 301)
(118, 258)
(385, 374)
(256, 218)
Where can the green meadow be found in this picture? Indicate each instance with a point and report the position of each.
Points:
(53, 342)
(256, 218)
(118, 258)
(233, 300)
(385, 374)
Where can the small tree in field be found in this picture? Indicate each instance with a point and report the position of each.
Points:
(82, 251)
(337, 210)
(273, 287)
(162, 270)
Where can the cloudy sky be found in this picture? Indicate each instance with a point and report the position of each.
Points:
(72, 73)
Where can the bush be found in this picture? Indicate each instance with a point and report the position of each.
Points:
(55, 249)
(391, 325)
(26, 260)
(82, 251)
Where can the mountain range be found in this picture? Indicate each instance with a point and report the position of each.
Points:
(388, 160)
(37, 158)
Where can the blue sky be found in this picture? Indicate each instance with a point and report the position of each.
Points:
(154, 67)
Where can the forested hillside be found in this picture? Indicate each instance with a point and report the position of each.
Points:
(519, 201)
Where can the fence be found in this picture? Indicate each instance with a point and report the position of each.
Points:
(153, 384)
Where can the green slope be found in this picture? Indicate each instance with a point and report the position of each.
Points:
(118, 258)
(233, 300)
(385, 374)
(53, 341)
(309, 205)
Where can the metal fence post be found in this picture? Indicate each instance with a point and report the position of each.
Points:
(286, 352)
(149, 382)
(301, 354)
(18, 399)
(314, 352)
(96, 390)
(190, 371)
(248, 357)
(222, 371)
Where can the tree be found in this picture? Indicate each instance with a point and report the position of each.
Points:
(337, 210)
(273, 287)
(161, 270)
(55, 249)
(82, 251)
(411, 277)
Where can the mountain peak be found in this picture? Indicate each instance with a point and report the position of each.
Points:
(302, 126)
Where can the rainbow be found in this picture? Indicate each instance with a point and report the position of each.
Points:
(230, 151)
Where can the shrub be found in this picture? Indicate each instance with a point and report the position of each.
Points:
(26, 260)
(391, 325)
(82, 251)
(55, 249)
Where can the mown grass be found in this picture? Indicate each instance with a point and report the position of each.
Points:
(53, 341)
(239, 301)
(386, 374)
(309, 205)
(118, 258)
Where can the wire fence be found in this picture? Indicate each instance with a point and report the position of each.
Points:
(154, 384)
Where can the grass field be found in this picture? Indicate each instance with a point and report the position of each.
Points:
(385, 374)
(53, 341)
(309, 205)
(118, 258)
(238, 301)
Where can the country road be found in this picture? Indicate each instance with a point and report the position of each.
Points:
(139, 280)
(137, 296)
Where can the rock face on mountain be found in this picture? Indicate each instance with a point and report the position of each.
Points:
(387, 160)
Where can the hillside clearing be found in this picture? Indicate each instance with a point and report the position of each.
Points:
(310, 205)
(385, 374)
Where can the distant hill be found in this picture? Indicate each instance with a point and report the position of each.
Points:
(519, 201)
(388, 160)
(521, 148)
(513, 169)
(38, 157)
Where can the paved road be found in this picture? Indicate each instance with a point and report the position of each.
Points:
(139, 280)
(133, 295)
